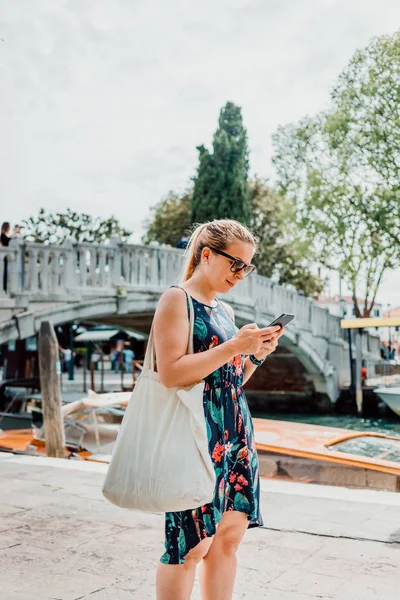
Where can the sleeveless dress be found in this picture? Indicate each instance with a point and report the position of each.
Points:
(230, 441)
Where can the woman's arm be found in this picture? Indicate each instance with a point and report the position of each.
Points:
(248, 369)
(171, 333)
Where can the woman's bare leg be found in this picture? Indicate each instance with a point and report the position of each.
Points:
(175, 582)
(218, 571)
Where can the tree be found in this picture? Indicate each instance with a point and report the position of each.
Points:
(282, 254)
(51, 228)
(221, 186)
(170, 217)
(342, 169)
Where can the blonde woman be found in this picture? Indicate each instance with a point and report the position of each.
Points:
(219, 256)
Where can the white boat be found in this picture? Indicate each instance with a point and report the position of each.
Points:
(390, 396)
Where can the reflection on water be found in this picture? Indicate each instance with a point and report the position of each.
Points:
(388, 425)
(374, 447)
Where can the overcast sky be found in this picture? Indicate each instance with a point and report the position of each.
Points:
(103, 102)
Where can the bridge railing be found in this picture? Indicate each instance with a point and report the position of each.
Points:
(9, 276)
(75, 270)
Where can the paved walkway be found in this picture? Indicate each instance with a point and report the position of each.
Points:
(60, 540)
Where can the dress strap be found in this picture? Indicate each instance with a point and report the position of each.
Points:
(149, 358)
(229, 310)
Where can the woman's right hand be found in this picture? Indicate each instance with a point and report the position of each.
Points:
(250, 338)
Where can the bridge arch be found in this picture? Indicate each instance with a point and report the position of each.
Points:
(120, 284)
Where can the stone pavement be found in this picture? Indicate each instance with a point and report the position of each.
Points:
(61, 540)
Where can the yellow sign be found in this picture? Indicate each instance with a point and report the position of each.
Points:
(370, 322)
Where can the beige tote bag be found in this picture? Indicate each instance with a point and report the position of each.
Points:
(160, 462)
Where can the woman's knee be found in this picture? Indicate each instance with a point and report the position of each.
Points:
(230, 533)
(196, 554)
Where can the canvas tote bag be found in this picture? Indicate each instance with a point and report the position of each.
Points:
(160, 462)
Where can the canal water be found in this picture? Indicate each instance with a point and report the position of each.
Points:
(382, 424)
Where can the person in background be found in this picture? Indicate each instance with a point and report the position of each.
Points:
(5, 240)
(115, 360)
(129, 356)
(16, 231)
(5, 233)
(66, 355)
(183, 242)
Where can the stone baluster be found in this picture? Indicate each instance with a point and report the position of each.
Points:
(93, 266)
(133, 266)
(142, 266)
(116, 261)
(52, 282)
(69, 268)
(44, 269)
(33, 273)
(163, 268)
(176, 264)
(125, 275)
(11, 273)
(153, 267)
(16, 268)
(82, 267)
(170, 268)
(102, 267)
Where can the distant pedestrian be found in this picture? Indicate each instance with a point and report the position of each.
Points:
(183, 242)
(5, 240)
(115, 360)
(129, 356)
(5, 233)
(16, 231)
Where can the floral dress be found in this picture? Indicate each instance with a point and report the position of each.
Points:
(230, 441)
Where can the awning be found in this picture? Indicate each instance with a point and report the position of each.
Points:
(104, 335)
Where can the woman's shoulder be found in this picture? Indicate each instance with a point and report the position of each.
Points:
(172, 301)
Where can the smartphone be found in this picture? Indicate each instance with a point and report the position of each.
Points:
(283, 320)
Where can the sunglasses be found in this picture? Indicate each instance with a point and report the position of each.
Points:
(237, 264)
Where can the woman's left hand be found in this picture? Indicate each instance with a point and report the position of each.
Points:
(271, 345)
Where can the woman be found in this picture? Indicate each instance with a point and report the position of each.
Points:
(5, 230)
(219, 256)
(5, 240)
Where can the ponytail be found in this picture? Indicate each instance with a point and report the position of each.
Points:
(191, 260)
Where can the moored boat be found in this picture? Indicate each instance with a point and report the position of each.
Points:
(390, 396)
(287, 450)
(327, 455)
(91, 427)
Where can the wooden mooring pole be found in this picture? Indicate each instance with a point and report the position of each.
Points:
(359, 390)
(49, 368)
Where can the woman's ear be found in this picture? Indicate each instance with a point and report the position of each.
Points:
(205, 255)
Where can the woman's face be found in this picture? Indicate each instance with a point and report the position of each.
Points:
(217, 268)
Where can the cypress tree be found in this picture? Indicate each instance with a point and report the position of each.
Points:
(221, 188)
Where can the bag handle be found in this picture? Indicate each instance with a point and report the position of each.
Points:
(149, 358)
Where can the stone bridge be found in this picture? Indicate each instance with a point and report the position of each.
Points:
(120, 284)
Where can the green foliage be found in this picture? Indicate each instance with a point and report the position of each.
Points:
(342, 170)
(282, 253)
(221, 187)
(170, 217)
(54, 228)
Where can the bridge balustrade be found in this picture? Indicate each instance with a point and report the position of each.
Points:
(75, 270)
